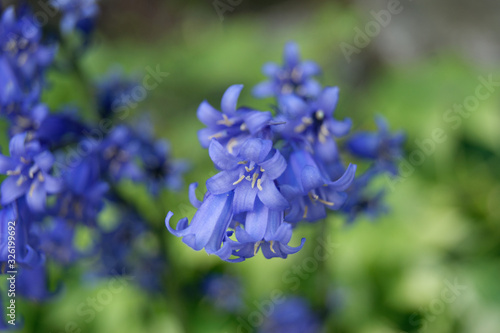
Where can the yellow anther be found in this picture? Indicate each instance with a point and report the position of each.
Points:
(313, 197)
(20, 180)
(259, 184)
(271, 246)
(216, 135)
(225, 121)
(13, 172)
(328, 203)
(300, 128)
(322, 138)
(249, 169)
(41, 177)
(243, 127)
(32, 189)
(231, 144)
(256, 247)
(306, 208)
(25, 161)
(324, 130)
(262, 169)
(307, 120)
(254, 179)
(239, 180)
(242, 162)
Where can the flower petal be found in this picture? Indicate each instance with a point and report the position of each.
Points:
(328, 99)
(207, 114)
(52, 185)
(36, 197)
(192, 195)
(44, 160)
(223, 182)
(275, 166)
(346, 180)
(221, 157)
(257, 120)
(270, 196)
(230, 99)
(16, 145)
(256, 150)
(11, 190)
(244, 197)
(264, 89)
(256, 222)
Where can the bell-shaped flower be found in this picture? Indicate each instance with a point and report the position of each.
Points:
(381, 146)
(294, 77)
(233, 126)
(310, 190)
(311, 123)
(28, 170)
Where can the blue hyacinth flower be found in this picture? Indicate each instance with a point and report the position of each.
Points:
(311, 123)
(294, 77)
(28, 170)
(233, 126)
(310, 189)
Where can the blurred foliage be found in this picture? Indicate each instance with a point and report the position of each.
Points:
(385, 275)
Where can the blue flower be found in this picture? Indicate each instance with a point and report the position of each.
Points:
(32, 283)
(118, 155)
(231, 127)
(243, 194)
(57, 240)
(26, 254)
(311, 123)
(111, 92)
(382, 147)
(294, 315)
(20, 44)
(224, 291)
(28, 170)
(82, 196)
(77, 14)
(310, 190)
(294, 77)
(251, 174)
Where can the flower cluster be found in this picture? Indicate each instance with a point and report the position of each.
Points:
(60, 173)
(279, 169)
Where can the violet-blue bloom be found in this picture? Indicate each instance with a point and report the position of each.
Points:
(382, 147)
(310, 190)
(294, 315)
(20, 43)
(294, 77)
(311, 123)
(28, 169)
(77, 14)
(233, 126)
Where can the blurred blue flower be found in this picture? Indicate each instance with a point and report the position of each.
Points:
(119, 155)
(111, 92)
(224, 292)
(21, 46)
(82, 196)
(294, 77)
(32, 283)
(382, 147)
(28, 170)
(77, 14)
(294, 315)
